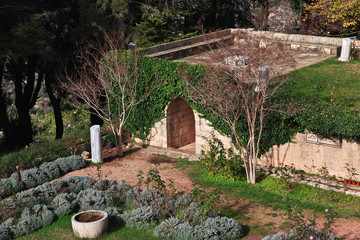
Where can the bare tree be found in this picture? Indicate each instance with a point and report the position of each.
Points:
(107, 80)
(239, 79)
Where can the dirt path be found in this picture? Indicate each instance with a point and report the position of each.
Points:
(260, 219)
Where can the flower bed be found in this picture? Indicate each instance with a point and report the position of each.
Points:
(30, 210)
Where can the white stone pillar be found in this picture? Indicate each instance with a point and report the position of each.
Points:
(96, 146)
(345, 50)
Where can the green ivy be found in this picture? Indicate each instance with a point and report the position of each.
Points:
(279, 128)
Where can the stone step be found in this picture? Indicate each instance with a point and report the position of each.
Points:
(172, 153)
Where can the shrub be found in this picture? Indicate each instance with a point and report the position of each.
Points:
(9, 208)
(51, 189)
(186, 231)
(70, 164)
(104, 184)
(93, 199)
(141, 218)
(227, 227)
(305, 232)
(184, 201)
(218, 160)
(33, 177)
(78, 183)
(64, 204)
(32, 220)
(167, 228)
(5, 233)
(196, 213)
(118, 192)
(10, 185)
(162, 204)
(278, 236)
(42, 151)
(51, 169)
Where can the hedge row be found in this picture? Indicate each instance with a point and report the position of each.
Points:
(320, 117)
(35, 176)
(40, 206)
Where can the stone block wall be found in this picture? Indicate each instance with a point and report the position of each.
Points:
(312, 157)
(191, 128)
(205, 131)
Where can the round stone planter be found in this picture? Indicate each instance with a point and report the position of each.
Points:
(90, 224)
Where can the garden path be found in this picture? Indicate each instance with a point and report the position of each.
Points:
(259, 218)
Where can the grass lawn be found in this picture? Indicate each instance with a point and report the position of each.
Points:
(327, 80)
(272, 192)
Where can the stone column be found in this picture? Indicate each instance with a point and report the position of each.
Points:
(345, 50)
(96, 146)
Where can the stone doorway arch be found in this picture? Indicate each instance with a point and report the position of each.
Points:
(180, 123)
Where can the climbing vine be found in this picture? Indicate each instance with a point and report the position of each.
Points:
(279, 126)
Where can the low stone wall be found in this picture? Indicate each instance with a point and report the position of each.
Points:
(284, 37)
(185, 42)
(338, 157)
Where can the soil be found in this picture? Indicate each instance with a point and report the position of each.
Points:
(89, 217)
(260, 219)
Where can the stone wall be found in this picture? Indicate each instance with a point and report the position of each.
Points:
(162, 135)
(312, 156)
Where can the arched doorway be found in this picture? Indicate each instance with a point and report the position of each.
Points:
(180, 124)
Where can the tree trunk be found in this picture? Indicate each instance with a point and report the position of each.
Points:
(55, 102)
(119, 151)
(5, 124)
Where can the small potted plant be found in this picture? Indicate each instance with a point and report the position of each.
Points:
(90, 224)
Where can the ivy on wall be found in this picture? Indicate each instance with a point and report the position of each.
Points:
(279, 128)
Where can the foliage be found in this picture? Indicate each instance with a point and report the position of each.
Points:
(76, 124)
(209, 198)
(333, 17)
(218, 160)
(228, 228)
(37, 153)
(63, 204)
(62, 197)
(109, 81)
(162, 204)
(167, 228)
(172, 85)
(277, 236)
(140, 218)
(33, 177)
(61, 229)
(31, 220)
(5, 234)
(328, 119)
(93, 199)
(153, 181)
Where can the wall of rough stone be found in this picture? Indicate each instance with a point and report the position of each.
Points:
(311, 157)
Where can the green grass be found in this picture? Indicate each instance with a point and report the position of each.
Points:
(61, 229)
(272, 192)
(327, 80)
